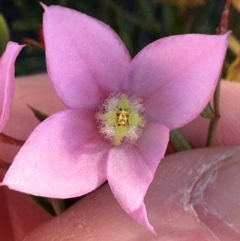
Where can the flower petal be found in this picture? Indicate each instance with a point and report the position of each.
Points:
(7, 81)
(131, 169)
(176, 76)
(85, 58)
(63, 157)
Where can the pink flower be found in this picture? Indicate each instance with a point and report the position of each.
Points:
(120, 111)
(7, 70)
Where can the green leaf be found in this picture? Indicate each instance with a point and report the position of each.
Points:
(208, 112)
(58, 205)
(168, 18)
(4, 165)
(179, 142)
(4, 34)
(44, 204)
(38, 114)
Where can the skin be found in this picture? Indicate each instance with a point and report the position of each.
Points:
(194, 196)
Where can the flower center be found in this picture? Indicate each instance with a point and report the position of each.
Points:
(121, 118)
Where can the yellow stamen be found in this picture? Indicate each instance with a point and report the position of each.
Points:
(120, 133)
(111, 117)
(122, 117)
(124, 103)
(134, 119)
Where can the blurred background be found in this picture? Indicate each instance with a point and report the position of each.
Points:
(138, 22)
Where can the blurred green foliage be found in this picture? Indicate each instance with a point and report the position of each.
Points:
(5, 35)
(138, 22)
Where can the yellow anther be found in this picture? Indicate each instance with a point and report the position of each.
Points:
(122, 117)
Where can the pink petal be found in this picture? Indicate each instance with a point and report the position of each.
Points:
(7, 81)
(131, 169)
(63, 157)
(86, 59)
(176, 76)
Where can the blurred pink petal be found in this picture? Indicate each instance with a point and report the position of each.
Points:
(70, 161)
(63, 154)
(176, 76)
(7, 70)
(194, 196)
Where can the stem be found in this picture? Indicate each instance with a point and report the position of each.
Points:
(58, 205)
(10, 140)
(214, 122)
(33, 42)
